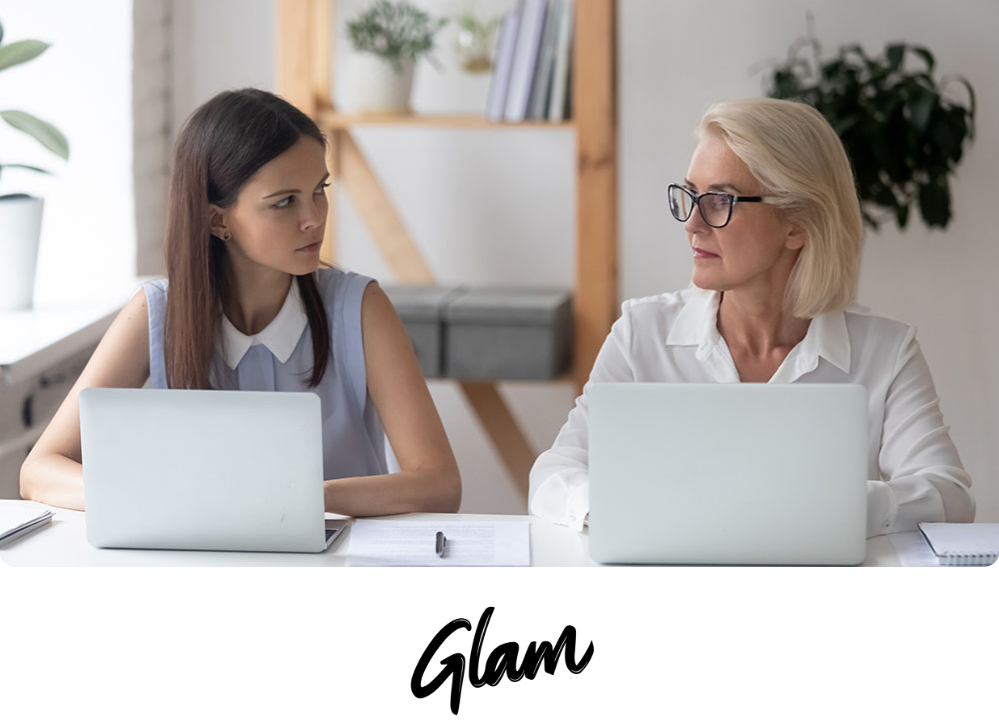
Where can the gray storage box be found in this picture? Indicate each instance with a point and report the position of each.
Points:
(508, 334)
(421, 307)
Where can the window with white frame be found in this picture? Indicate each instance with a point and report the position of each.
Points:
(112, 104)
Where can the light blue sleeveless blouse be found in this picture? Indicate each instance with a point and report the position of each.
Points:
(353, 437)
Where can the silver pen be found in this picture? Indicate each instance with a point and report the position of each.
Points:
(440, 544)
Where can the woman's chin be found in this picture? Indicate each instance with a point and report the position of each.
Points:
(704, 283)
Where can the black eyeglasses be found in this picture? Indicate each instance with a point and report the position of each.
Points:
(716, 207)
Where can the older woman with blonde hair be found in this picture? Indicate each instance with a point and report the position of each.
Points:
(774, 225)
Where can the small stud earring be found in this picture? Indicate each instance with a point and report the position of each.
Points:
(226, 237)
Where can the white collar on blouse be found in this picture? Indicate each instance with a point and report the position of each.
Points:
(280, 336)
(697, 324)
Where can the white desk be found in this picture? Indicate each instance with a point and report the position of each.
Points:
(64, 544)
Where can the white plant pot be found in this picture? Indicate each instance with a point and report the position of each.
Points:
(20, 230)
(375, 87)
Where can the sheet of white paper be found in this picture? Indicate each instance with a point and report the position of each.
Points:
(16, 514)
(913, 550)
(400, 542)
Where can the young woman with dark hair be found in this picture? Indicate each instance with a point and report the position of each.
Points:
(247, 305)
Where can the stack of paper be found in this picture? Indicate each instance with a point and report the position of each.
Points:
(401, 542)
(18, 518)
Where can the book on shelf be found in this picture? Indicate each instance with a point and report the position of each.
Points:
(525, 59)
(562, 70)
(503, 63)
(537, 107)
(532, 70)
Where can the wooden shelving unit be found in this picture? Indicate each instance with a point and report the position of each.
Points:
(331, 119)
(306, 50)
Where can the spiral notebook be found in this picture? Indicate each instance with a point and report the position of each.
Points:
(963, 543)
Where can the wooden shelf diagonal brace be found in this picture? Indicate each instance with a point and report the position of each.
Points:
(378, 214)
(507, 437)
(404, 258)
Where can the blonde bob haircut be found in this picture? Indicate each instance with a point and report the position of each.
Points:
(798, 158)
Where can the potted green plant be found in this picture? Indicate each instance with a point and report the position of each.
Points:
(904, 136)
(21, 214)
(387, 39)
(475, 41)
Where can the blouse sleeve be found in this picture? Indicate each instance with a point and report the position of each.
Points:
(925, 479)
(559, 481)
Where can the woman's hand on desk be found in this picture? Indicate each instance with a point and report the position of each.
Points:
(437, 490)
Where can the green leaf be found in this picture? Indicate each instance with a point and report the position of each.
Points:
(42, 131)
(934, 203)
(920, 108)
(943, 136)
(21, 52)
(927, 57)
(895, 53)
(844, 124)
(869, 219)
(25, 167)
(902, 215)
(847, 50)
(885, 197)
(971, 95)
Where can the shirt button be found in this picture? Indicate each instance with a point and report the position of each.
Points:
(572, 516)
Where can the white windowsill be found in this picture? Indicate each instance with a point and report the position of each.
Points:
(57, 327)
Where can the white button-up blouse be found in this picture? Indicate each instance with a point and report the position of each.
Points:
(914, 472)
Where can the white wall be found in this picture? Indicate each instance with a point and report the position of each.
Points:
(498, 206)
(83, 86)
(672, 66)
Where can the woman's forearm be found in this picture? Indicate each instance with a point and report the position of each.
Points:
(395, 493)
(54, 480)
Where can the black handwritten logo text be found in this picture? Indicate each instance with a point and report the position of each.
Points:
(503, 659)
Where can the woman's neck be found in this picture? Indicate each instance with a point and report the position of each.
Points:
(759, 326)
(255, 296)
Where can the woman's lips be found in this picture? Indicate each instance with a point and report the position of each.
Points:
(314, 247)
(703, 254)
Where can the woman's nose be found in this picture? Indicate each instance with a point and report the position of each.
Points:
(695, 223)
(316, 213)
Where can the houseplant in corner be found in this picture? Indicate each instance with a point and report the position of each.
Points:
(21, 214)
(903, 134)
(386, 41)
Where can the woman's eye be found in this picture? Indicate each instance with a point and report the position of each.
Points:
(718, 202)
(285, 202)
(322, 188)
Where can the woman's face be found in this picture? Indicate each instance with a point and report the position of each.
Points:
(279, 217)
(757, 249)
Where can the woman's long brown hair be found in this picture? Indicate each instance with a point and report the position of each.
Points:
(220, 147)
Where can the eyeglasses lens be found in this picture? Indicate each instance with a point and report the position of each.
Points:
(715, 208)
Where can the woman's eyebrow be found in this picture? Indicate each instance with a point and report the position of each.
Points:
(294, 190)
(715, 186)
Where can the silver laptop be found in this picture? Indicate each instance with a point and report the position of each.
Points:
(204, 470)
(728, 473)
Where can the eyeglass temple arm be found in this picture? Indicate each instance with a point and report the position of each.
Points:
(755, 198)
